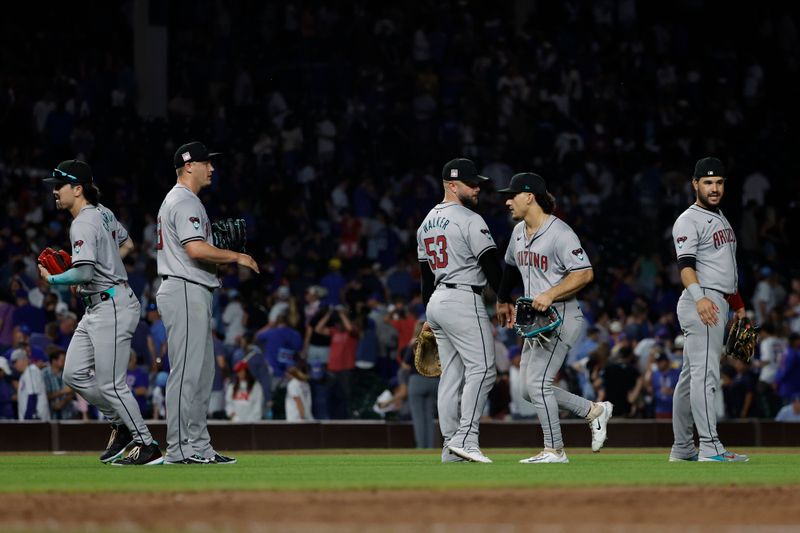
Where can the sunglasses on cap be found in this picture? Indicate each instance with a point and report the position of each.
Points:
(62, 174)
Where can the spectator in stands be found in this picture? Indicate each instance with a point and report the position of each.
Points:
(622, 383)
(233, 318)
(32, 401)
(738, 389)
(660, 384)
(60, 396)
(258, 367)
(788, 376)
(344, 335)
(157, 337)
(771, 348)
(280, 343)
(298, 393)
(28, 315)
(7, 392)
(138, 381)
(66, 328)
(791, 411)
(244, 397)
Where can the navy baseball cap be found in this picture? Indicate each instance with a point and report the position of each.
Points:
(462, 169)
(192, 152)
(70, 171)
(526, 182)
(709, 166)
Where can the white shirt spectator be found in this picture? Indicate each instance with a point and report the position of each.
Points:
(31, 384)
(789, 413)
(755, 187)
(770, 351)
(233, 320)
(244, 404)
(297, 389)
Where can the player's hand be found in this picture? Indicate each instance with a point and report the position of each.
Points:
(741, 313)
(505, 314)
(247, 261)
(426, 326)
(542, 302)
(708, 311)
(43, 272)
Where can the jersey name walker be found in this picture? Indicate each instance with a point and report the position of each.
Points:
(452, 238)
(182, 219)
(96, 236)
(707, 237)
(546, 257)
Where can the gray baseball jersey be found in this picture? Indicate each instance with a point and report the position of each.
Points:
(181, 219)
(707, 236)
(96, 236)
(544, 259)
(96, 365)
(451, 239)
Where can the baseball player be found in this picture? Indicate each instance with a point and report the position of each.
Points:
(553, 267)
(457, 257)
(705, 246)
(96, 364)
(187, 263)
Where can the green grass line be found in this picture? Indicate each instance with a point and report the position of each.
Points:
(377, 469)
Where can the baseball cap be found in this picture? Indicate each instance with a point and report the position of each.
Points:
(70, 171)
(18, 354)
(526, 182)
(191, 153)
(462, 169)
(241, 365)
(662, 357)
(678, 342)
(708, 166)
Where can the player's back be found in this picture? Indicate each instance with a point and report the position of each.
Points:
(452, 238)
(97, 236)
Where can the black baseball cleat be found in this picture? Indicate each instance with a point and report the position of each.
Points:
(142, 455)
(120, 440)
(220, 459)
(191, 460)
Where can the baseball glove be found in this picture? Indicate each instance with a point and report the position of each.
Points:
(55, 262)
(532, 324)
(742, 338)
(230, 234)
(426, 355)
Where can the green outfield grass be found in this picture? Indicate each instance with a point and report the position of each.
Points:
(382, 469)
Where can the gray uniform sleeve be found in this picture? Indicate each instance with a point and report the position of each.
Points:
(121, 233)
(478, 236)
(84, 243)
(189, 222)
(570, 253)
(684, 236)
(510, 257)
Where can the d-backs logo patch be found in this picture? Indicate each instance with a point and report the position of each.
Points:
(680, 240)
(76, 247)
(195, 222)
(486, 232)
(578, 252)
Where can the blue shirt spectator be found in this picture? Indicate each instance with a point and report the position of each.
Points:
(788, 376)
(280, 344)
(6, 391)
(26, 314)
(663, 383)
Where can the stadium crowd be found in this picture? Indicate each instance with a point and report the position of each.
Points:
(335, 126)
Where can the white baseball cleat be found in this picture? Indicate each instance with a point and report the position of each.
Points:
(546, 456)
(600, 426)
(450, 457)
(470, 454)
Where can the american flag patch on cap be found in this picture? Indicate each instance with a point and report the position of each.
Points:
(453, 172)
(186, 156)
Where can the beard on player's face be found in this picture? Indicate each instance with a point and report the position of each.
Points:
(468, 199)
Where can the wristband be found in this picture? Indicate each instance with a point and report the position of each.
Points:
(695, 290)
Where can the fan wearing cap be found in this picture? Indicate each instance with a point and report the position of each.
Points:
(705, 245)
(457, 258)
(97, 357)
(545, 255)
(187, 262)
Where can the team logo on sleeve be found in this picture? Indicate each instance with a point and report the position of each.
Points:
(76, 247)
(578, 252)
(486, 232)
(680, 240)
(195, 222)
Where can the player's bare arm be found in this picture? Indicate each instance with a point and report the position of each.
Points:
(125, 248)
(708, 310)
(202, 251)
(569, 287)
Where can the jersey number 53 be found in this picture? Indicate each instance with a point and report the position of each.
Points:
(436, 248)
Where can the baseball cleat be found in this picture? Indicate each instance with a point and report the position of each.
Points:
(142, 455)
(220, 459)
(600, 426)
(450, 457)
(470, 454)
(194, 459)
(727, 457)
(119, 441)
(546, 456)
(674, 459)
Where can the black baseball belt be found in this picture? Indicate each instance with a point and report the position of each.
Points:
(477, 289)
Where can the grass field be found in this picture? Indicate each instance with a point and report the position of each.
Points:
(382, 469)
